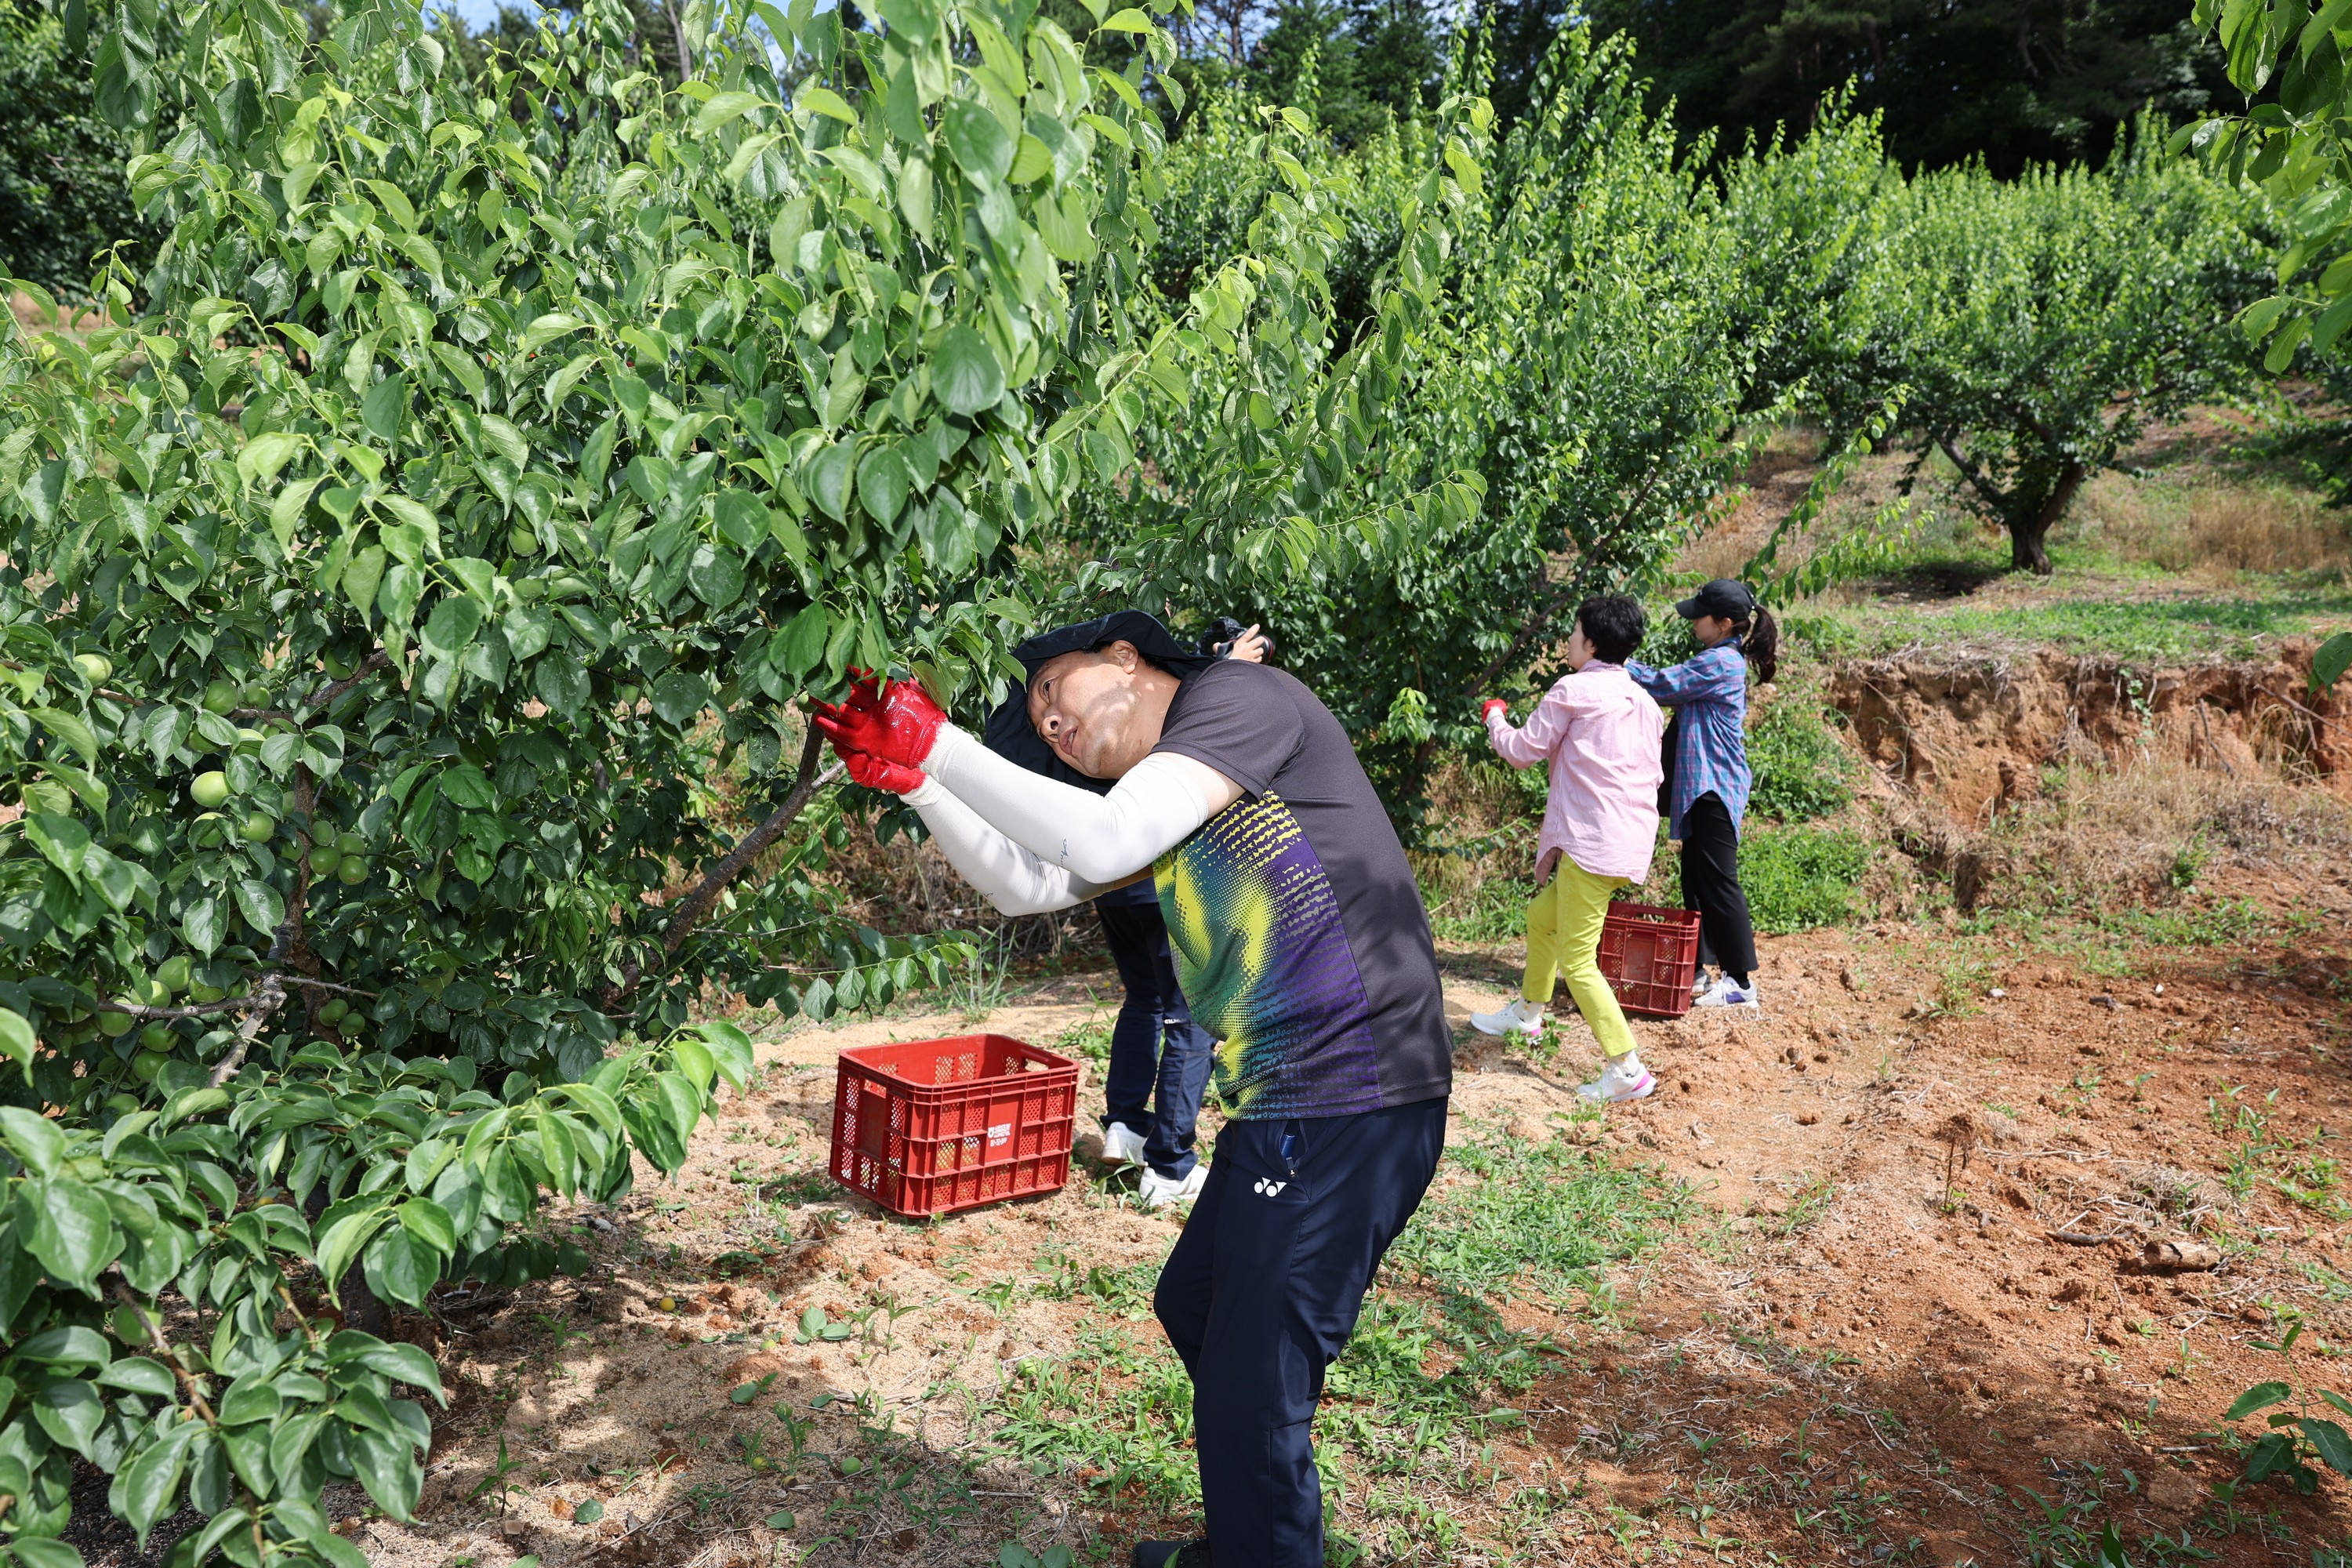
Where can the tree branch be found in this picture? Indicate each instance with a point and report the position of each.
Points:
(806, 781)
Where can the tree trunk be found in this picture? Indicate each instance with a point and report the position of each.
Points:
(2027, 534)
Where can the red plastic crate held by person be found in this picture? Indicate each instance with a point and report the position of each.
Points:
(1647, 956)
(929, 1127)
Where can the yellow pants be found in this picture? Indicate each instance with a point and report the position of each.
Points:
(1564, 943)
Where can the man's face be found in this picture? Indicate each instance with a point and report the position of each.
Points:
(1096, 709)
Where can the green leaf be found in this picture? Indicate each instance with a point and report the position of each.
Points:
(450, 629)
(402, 1266)
(546, 329)
(1127, 21)
(678, 696)
(73, 1231)
(44, 1552)
(17, 1041)
(33, 1138)
(730, 1051)
(430, 1222)
(981, 146)
(387, 1467)
(73, 1346)
(2259, 1397)
(965, 374)
(261, 904)
(2334, 1446)
(342, 1242)
(144, 1491)
(816, 100)
(386, 407)
(249, 1399)
(266, 453)
(725, 106)
(2330, 660)
(140, 1374)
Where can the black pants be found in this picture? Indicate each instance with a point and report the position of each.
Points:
(1259, 1298)
(1711, 886)
(1157, 1052)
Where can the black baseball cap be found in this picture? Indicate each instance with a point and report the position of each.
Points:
(1725, 596)
(1009, 733)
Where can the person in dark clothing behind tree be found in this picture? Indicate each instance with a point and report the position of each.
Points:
(1707, 777)
(1159, 1055)
(1302, 944)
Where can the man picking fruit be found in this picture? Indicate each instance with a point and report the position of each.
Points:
(1301, 942)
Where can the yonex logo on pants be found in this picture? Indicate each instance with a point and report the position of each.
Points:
(1271, 1189)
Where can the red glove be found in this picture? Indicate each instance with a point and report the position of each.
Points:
(1487, 708)
(875, 774)
(898, 725)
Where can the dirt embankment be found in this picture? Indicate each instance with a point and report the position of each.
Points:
(1974, 734)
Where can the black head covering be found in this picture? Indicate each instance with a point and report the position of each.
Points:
(1009, 733)
(1734, 601)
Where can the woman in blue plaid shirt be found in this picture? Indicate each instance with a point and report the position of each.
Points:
(1708, 778)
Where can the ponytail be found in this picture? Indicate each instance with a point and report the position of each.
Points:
(1759, 641)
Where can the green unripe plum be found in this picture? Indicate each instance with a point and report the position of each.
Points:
(333, 1013)
(147, 1064)
(114, 1025)
(338, 668)
(172, 973)
(205, 992)
(324, 859)
(522, 541)
(351, 844)
(628, 694)
(121, 1104)
(249, 737)
(94, 666)
(256, 695)
(353, 871)
(156, 1037)
(257, 828)
(220, 695)
(210, 789)
(151, 993)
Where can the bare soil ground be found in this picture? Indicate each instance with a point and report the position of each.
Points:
(1877, 1329)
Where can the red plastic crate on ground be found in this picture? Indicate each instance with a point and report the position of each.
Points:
(928, 1127)
(1647, 956)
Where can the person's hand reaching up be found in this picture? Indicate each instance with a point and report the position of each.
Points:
(897, 724)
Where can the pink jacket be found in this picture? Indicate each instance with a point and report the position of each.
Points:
(1599, 734)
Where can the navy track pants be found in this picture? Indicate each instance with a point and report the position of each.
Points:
(1259, 1298)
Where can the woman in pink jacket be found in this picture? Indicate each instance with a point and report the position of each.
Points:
(1598, 732)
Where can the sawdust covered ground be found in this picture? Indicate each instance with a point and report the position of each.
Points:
(1860, 1339)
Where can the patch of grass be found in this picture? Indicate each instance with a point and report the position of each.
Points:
(2149, 631)
(1801, 877)
(1544, 1216)
(1485, 913)
(1803, 771)
(1120, 1407)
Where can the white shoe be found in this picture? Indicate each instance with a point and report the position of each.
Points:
(1621, 1079)
(1724, 993)
(1157, 1189)
(1122, 1145)
(1521, 1016)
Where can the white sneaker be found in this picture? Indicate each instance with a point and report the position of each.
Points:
(1122, 1145)
(1726, 993)
(1521, 1016)
(1621, 1079)
(1157, 1189)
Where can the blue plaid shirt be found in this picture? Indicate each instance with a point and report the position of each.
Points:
(1709, 696)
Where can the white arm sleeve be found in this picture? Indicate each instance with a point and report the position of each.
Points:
(1099, 838)
(1007, 876)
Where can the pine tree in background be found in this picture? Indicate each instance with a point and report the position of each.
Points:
(62, 197)
(2012, 82)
